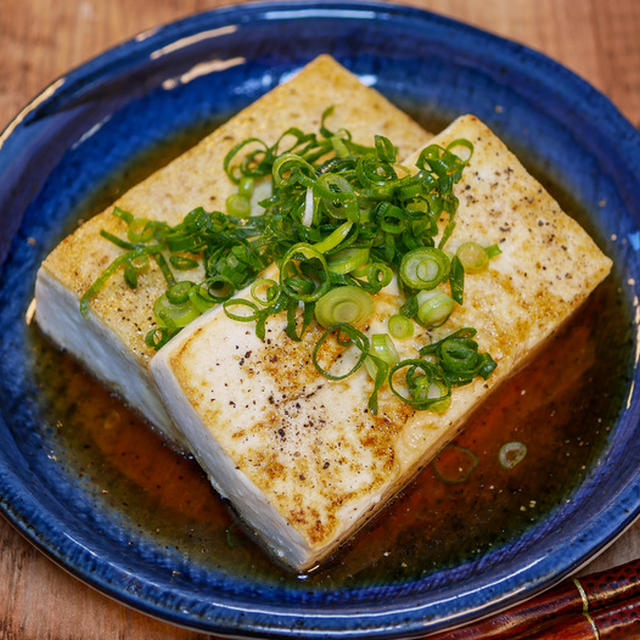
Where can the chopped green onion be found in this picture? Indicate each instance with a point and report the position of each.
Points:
(447, 233)
(297, 284)
(442, 394)
(201, 299)
(265, 291)
(362, 271)
(461, 148)
(238, 205)
(379, 275)
(419, 378)
(334, 238)
(140, 263)
(309, 208)
(456, 280)
(434, 308)
(390, 218)
(383, 348)
(346, 260)
(473, 257)
(344, 304)
(256, 163)
(181, 263)
(453, 465)
(122, 214)
(400, 326)
(338, 198)
(459, 358)
(340, 219)
(101, 280)
(385, 149)
(141, 230)
(339, 147)
(133, 267)
(164, 268)
(345, 335)
(424, 268)
(157, 337)
(493, 251)
(373, 172)
(512, 454)
(246, 316)
(119, 242)
(246, 186)
(179, 292)
(218, 291)
(174, 316)
(288, 168)
(130, 276)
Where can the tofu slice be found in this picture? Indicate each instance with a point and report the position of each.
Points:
(300, 458)
(110, 343)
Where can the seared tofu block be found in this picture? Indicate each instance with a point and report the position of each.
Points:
(300, 457)
(110, 342)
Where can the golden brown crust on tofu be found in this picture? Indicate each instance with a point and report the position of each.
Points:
(196, 179)
(308, 445)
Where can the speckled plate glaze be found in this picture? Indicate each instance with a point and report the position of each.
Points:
(87, 124)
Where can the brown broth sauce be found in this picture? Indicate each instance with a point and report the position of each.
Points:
(562, 406)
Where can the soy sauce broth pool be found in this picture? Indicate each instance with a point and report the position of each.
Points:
(561, 407)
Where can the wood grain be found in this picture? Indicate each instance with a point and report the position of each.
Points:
(42, 39)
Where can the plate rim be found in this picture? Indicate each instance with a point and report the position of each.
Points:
(185, 25)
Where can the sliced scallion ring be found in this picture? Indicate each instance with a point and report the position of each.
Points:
(512, 454)
(140, 230)
(182, 263)
(439, 392)
(309, 208)
(379, 274)
(461, 148)
(250, 314)
(264, 291)
(289, 167)
(246, 186)
(344, 304)
(201, 299)
(345, 336)
(338, 198)
(174, 316)
(238, 206)
(419, 375)
(400, 326)
(453, 465)
(434, 308)
(179, 292)
(383, 348)
(299, 285)
(424, 268)
(473, 257)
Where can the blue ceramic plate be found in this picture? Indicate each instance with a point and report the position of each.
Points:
(173, 83)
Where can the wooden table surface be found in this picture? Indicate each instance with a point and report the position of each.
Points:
(41, 39)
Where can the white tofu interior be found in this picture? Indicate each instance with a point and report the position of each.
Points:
(101, 351)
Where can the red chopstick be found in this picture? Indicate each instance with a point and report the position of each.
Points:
(620, 621)
(576, 602)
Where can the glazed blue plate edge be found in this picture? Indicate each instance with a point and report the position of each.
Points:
(183, 24)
